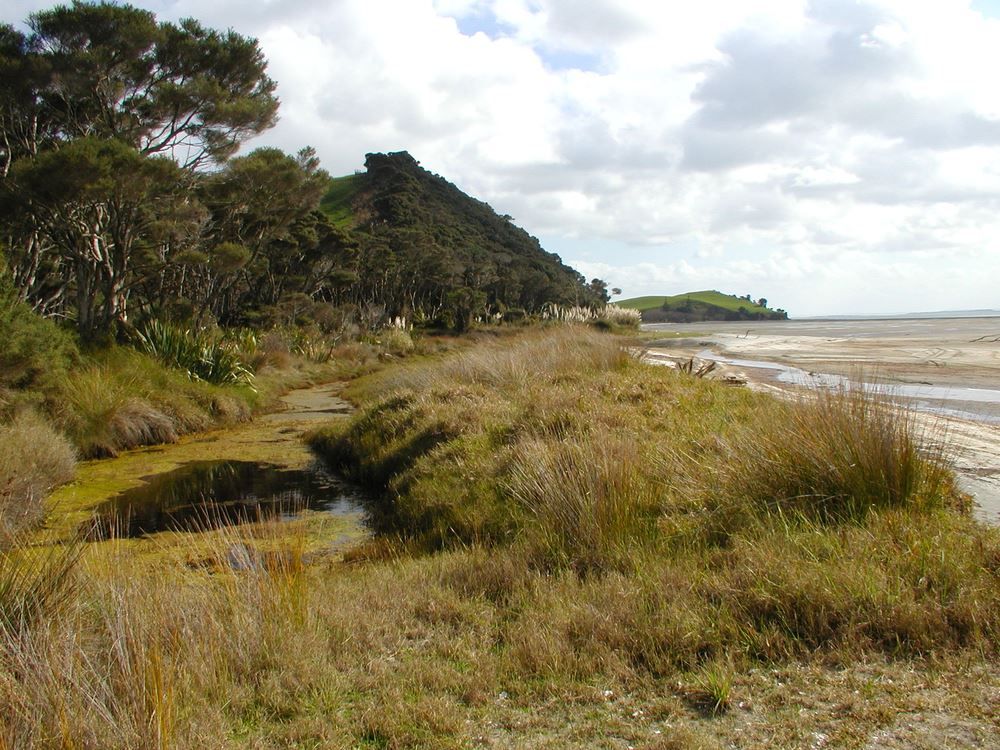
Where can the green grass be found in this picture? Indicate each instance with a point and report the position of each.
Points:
(709, 297)
(337, 203)
(578, 550)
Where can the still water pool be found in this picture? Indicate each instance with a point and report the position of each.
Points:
(208, 494)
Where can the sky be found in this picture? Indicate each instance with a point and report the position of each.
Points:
(833, 156)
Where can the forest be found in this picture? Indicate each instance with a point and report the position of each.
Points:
(123, 199)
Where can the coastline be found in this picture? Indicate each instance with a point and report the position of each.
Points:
(947, 370)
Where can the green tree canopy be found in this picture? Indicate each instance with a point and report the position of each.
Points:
(113, 71)
(105, 115)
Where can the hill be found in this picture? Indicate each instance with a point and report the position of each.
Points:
(704, 305)
(429, 252)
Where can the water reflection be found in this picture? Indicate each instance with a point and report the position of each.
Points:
(209, 494)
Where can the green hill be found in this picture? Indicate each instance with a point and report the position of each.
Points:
(703, 305)
(428, 251)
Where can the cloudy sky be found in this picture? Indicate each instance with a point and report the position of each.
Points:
(834, 156)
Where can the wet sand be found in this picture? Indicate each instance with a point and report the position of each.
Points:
(946, 369)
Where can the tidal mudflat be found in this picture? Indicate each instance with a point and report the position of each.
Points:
(947, 370)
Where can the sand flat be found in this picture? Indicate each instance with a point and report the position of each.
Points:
(946, 369)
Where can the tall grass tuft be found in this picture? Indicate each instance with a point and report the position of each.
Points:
(605, 317)
(588, 499)
(34, 458)
(124, 398)
(35, 585)
(835, 455)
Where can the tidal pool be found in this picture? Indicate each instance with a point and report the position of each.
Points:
(208, 494)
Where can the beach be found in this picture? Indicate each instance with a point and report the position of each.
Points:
(945, 370)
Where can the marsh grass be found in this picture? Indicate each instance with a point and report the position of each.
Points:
(836, 455)
(124, 399)
(587, 504)
(35, 585)
(581, 584)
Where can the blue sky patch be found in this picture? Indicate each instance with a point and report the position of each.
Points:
(556, 59)
(989, 8)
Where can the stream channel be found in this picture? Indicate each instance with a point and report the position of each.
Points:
(249, 472)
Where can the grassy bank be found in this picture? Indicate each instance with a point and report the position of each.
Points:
(102, 401)
(577, 550)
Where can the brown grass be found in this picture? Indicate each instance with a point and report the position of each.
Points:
(34, 458)
(581, 594)
(835, 455)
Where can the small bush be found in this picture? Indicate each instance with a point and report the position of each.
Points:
(34, 351)
(124, 399)
(197, 354)
(34, 458)
(395, 341)
(605, 318)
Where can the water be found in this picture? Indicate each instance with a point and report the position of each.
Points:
(209, 494)
(923, 397)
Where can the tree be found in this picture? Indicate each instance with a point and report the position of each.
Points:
(112, 71)
(265, 204)
(599, 289)
(104, 88)
(97, 201)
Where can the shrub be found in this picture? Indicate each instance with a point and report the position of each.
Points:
(606, 317)
(34, 458)
(124, 399)
(34, 351)
(197, 354)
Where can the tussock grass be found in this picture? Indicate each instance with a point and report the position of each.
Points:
(35, 585)
(584, 585)
(587, 506)
(835, 455)
(768, 522)
(125, 399)
(34, 458)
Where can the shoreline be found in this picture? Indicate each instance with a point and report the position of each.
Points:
(946, 357)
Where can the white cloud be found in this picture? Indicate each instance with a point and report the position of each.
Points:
(830, 156)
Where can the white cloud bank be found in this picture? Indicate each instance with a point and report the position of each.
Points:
(831, 156)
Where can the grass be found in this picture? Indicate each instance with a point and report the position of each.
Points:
(336, 204)
(836, 455)
(34, 459)
(122, 399)
(578, 551)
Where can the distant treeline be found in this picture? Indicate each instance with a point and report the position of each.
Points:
(700, 311)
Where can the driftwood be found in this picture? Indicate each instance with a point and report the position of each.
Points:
(688, 368)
